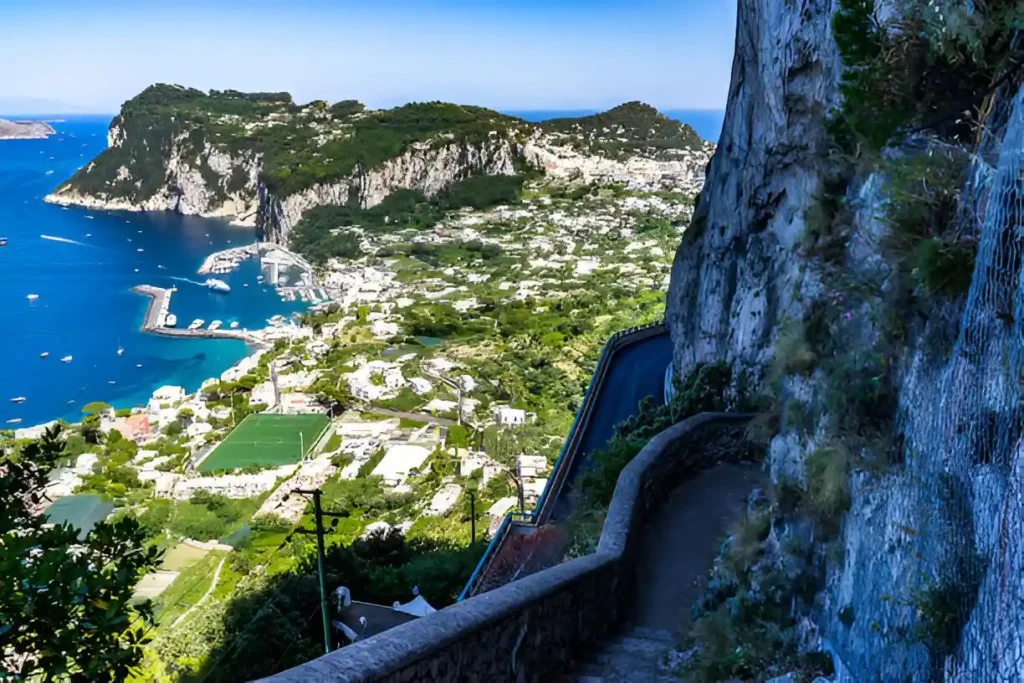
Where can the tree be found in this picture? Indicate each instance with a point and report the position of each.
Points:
(90, 429)
(65, 605)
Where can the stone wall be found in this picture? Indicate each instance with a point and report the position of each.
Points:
(532, 629)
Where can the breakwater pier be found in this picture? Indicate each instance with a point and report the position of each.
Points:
(159, 304)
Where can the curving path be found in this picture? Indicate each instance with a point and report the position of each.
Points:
(636, 372)
(209, 591)
(678, 550)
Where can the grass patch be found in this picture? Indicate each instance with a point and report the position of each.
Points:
(828, 486)
(267, 440)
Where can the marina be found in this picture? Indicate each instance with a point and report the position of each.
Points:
(156, 315)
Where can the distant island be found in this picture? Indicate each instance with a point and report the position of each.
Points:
(25, 130)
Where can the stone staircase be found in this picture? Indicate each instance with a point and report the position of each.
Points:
(638, 654)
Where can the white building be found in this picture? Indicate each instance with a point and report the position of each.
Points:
(382, 329)
(531, 465)
(444, 500)
(505, 415)
(399, 461)
(375, 380)
(419, 385)
(354, 429)
(166, 396)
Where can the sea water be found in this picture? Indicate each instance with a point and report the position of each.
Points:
(82, 264)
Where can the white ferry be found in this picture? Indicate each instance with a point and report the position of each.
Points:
(196, 324)
(171, 320)
(217, 285)
(215, 325)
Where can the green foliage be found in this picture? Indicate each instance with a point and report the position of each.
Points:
(95, 407)
(321, 232)
(746, 539)
(916, 66)
(704, 389)
(457, 437)
(67, 606)
(204, 516)
(945, 267)
(828, 486)
(633, 126)
(369, 465)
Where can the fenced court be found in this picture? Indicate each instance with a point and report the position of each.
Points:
(267, 440)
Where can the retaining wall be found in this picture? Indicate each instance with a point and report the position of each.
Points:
(532, 629)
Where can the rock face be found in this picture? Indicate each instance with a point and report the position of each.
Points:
(426, 167)
(926, 583)
(194, 183)
(735, 273)
(25, 130)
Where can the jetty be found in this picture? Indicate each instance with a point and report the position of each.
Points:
(160, 301)
(227, 260)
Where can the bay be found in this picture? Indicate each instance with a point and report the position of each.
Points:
(85, 307)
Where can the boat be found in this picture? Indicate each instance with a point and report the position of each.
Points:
(120, 350)
(217, 285)
(18, 399)
(215, 325)
(3, 241)
(32, 297)
(139, 249)
(111, 382)
(196, 324)
(14, 421)
(246, 284)
(88, 234)
(171, 320)
(138, 365)
(234, 324)
(44, 354)
(66, 359)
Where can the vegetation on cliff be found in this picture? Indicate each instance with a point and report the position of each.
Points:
(626, 130)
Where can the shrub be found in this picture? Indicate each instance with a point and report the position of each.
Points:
(944, 266)
(828, 486)
(746, 539)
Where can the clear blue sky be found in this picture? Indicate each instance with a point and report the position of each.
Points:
(91, 55)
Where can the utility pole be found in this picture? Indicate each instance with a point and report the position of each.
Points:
(472, 516)
(318, 517)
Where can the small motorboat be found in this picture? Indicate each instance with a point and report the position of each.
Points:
(3, 241)
(32, 297)
(44, 354)
(66, 359)
(14, 421)
(18, 399)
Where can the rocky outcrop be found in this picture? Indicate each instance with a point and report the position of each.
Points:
(685, 173)
(204, 183)
(737, 272)
(924, 579)
(427, 167)
(25, 130)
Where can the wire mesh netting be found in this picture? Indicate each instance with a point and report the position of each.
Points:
(965, 460)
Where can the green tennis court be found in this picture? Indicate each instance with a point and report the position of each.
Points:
(267, 440)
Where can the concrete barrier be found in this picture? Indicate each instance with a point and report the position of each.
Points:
(532, 629)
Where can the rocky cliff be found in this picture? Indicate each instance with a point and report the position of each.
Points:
(262, 159)
(855, 257)
(25, 130)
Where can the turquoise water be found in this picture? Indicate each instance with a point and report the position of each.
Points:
(707, 122)
(85, 307)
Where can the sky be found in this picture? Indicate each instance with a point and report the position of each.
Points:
(91, 55)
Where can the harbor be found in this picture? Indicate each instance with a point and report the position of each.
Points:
(156, 317)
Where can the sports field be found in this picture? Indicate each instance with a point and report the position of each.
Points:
(266, 440)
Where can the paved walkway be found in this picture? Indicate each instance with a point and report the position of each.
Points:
(678, 549)
(216, 576)
(419, 417)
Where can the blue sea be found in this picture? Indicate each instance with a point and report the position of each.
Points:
(707, 122)
(83, 279)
